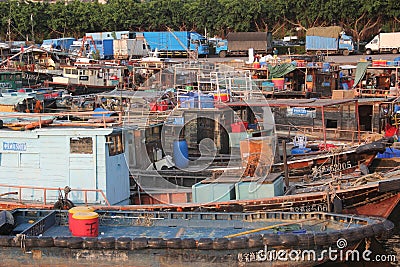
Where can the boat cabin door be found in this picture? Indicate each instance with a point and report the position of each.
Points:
(365, 115)
(82, 169)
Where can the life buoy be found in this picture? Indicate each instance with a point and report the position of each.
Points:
(75, 242)
(106, 243)
(220, 243)
(123, 243)
(205, 243)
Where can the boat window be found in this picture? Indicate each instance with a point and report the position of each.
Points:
(81, 145)
(331, 123)
(75, 72)
(115, 144)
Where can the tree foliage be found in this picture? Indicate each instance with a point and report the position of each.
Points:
(21, 20)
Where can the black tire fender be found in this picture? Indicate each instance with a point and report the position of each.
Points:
(174, 243)
(388, 227)
(90, 243)
(306, 240)
(205, 243)
(271, 240)
(6, 241)
(139, 243)
(106, 243)
(60, 241)
(220, 243)
(156, 243)
(31, 242)
(288, 240)
(188, 243)
(75, 242)
(123, 242)
(378, 229)
(321, 239)
(255, 241)
(237, 243)
(333, 237)
(371, 148)
(368, 231)
(45, 241)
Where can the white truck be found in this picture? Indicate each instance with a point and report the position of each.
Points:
(384, 43)
(131, 48)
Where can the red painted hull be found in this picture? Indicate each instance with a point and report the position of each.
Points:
(380, 209)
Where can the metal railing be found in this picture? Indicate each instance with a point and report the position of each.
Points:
(45, 190)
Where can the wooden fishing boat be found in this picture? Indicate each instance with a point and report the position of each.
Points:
(88, 78)
(108, 238)
(332, 161)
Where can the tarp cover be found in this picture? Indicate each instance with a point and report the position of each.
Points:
(281, 70)
(247, 36)
(332, 31)
(360, 72)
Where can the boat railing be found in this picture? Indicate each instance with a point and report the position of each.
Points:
(375, 92)
(89, 118)
(313, 131)
(45, 190)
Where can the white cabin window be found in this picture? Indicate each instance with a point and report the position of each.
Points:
(81, 145)
(115, 144)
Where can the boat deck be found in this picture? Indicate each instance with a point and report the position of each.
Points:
(182, 225)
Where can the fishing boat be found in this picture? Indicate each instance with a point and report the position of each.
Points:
(86, 236)
(88, 77)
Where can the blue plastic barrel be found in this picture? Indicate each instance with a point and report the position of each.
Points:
(181, 154)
